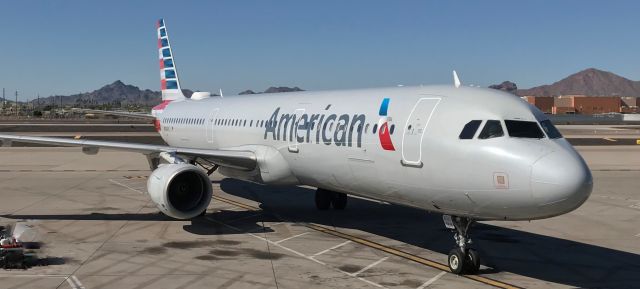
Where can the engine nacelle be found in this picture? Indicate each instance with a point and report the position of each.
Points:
(180, 191)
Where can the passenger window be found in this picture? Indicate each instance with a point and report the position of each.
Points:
(550, 129)
(523, 129)
(469, 129)
(491, 129)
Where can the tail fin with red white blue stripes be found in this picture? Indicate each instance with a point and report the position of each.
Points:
(169, 82)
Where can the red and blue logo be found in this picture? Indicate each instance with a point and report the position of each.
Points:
(383, 124)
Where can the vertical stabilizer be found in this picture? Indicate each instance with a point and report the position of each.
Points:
(169, 83)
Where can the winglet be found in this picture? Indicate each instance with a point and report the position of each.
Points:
(169, 82)
(456, 80)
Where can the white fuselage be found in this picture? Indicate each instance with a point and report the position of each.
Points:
(332, 140)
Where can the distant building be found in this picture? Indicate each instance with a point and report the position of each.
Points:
(564, 104)
(629, 104)
(545, 104)
(597, 104)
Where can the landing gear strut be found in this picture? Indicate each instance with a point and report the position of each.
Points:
(326, 199)
(462, 259)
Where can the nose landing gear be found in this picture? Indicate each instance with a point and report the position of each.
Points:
(462, 259)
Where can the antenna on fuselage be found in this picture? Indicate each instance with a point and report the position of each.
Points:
(456, 80)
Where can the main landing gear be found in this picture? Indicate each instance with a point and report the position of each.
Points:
(462, 260)
(326, 199)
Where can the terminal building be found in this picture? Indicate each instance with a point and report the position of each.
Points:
(581, 104)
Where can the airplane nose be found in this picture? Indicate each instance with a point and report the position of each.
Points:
(560, 181)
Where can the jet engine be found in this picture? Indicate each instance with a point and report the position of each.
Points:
(180, 191)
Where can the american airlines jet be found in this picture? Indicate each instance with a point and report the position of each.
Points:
(468, 153)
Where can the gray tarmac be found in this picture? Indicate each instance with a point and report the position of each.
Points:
(99, 230)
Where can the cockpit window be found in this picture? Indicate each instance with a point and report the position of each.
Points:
(469, 129)
(523, 129)
(550, 129)
(491, 129)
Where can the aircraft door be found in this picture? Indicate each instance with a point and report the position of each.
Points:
(296, 132)
(415, 129)
(209, 127)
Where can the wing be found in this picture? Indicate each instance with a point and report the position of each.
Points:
(239, 159)
(118, 113)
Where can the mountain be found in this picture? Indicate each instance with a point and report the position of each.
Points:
(116, 93)
(248, 91)
(120, 94)
(273, 89)
(590, 82)
(507, 86)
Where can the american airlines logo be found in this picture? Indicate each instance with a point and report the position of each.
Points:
(327, 128)
(383, 123)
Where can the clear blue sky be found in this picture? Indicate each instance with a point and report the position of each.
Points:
(63, 47)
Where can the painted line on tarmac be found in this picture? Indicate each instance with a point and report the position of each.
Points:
(125, 186)
(74, 282)
(370, 266)
(432, 280)
(289, 238)
(609, 139)
(332, 248)
(390, 250)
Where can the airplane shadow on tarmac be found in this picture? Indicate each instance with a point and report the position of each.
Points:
(532, 255)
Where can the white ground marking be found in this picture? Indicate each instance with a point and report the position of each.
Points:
(75, 279)
(430, 281)
(332, 248)
(609, 139)
(73, 285)
(638, 235)
(285, 239)
(123, 185)
(300, 254)
(370, 266)
(74, 282)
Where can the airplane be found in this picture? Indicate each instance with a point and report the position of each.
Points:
(469, 153)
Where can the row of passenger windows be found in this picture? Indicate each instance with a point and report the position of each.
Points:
(182, 120)
(257, 123)
(515, 128)
(263, 123)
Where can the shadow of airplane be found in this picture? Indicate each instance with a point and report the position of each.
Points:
(532, 255)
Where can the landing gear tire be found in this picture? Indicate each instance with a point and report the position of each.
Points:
(456, 261)
(463, 259)
(323, 199)
(472, 262)
(339, 201)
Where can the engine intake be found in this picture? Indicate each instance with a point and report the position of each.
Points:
(180, 191)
